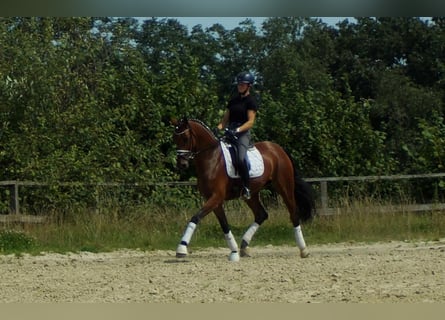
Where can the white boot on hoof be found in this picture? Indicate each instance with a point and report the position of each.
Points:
(181, 251)
(234, 256)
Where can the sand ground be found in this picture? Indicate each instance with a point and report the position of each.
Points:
(368, 273)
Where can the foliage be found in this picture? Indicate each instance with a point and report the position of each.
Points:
(89, 99)
(15, 241)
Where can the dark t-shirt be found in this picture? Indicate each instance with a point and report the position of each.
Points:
(238, 107)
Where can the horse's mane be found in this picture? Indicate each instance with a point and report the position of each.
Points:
(200, 122)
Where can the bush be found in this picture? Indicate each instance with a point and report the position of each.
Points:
(15, 241)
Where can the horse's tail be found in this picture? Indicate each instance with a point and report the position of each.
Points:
(304, 196)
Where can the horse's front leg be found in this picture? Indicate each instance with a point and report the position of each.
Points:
(261, 215)
(230, 239)
(181, 250)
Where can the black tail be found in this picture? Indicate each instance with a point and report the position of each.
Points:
(304, 196)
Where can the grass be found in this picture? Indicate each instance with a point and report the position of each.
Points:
(149, 228)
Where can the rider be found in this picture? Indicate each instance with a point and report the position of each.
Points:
(238, 119)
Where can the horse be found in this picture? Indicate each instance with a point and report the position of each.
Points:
(195, 141)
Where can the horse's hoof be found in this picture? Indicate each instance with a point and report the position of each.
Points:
(234, 256)
(181, 251)
(304, 253)
(245, 252)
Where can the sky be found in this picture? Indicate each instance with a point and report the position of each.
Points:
(233, 22)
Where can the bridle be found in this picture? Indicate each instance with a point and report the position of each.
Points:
(186, 154)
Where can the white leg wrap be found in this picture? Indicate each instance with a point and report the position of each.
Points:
(301, 244)
(247, 237)
(233, 246)
(234, 254)
(188, 233)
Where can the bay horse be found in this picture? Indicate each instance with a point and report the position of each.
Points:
(195, 141)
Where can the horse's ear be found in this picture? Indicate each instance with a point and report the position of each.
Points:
(174, 121)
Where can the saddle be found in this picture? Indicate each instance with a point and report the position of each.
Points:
(254, 160)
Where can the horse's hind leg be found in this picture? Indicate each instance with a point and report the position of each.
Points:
(301, 244)
(299, 239)
(260, 216)
(287, 193)
(230, 239)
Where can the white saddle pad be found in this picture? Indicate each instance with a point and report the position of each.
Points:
(255, 159)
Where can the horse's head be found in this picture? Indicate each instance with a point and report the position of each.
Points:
(182, 137)
(191, 138)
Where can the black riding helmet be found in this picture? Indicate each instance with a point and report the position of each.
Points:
(245, 77)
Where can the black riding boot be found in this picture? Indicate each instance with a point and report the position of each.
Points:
(244, 174)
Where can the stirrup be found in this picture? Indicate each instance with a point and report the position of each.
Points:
(246, 193)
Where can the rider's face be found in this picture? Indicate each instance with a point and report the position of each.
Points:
(242, 87)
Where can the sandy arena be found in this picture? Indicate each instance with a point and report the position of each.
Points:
(366, 273)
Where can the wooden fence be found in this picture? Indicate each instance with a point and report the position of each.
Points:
(324, 197)
(15, 185)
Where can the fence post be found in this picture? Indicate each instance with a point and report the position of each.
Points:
(324, 197)
(14, 205)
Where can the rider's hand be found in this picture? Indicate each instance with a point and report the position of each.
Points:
(231, 133)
